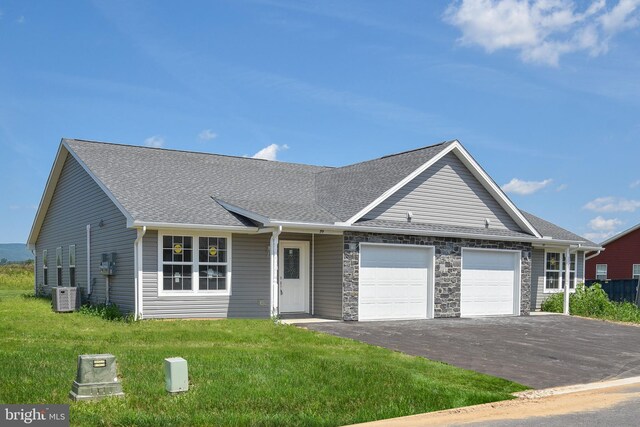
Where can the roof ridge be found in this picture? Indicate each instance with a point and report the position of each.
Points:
(387, 156)
(195, 152)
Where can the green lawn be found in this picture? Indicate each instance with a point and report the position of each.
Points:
(242, 372)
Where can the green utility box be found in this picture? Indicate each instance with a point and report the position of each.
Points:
(176, 374)
(97, 378)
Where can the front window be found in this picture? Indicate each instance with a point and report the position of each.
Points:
(212, 262)
(555, 271)
(195, 264)
(177, 261)
(59, 265)
(636, 271)
(601, 271)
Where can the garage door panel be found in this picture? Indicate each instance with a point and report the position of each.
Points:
(393, 282)
(488, 283)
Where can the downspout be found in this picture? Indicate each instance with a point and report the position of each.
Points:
(274, 272)
(88, 262)
(35, 271)
(567, 278)
(593, 256)
(137, 248)
(313, 272)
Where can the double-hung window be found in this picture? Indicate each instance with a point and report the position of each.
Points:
(636, 271)
(59, 265)
(212, 263)
(45, 268)
(555, 264)
(601, 271)
(72, 265)
(177, 263)
(193, 264)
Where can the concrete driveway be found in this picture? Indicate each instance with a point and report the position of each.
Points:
(537, 351)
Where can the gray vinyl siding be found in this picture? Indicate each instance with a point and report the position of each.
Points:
(77, 201)
(446, 193)
(537, 276)
(250, 290)
(328, 276)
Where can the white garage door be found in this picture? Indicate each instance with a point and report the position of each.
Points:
(394, 281)
(489, 284)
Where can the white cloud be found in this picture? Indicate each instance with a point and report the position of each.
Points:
(541, 30)
(635, 184)
(602, 229)
(518, 186)
(207, 135)
(599, 237)
(612, 204)
(604, 225)
(155, 141)
(270, 152)
(562, 187)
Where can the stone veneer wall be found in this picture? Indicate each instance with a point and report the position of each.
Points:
(448, 269)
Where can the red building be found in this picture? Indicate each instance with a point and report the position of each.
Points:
(620, 258)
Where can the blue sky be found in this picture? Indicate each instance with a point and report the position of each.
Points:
(544, 94)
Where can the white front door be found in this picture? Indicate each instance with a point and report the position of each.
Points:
(294, 276)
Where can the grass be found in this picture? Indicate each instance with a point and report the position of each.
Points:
(593, 302)
(15, 279)
(242, 372)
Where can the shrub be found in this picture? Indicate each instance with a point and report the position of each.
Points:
(553, 303)
(593, 301)
(104, 311)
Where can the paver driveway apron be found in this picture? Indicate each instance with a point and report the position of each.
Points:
(538, 351)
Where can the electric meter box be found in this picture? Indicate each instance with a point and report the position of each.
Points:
(108, 264)
(176, 374)
(96, 378)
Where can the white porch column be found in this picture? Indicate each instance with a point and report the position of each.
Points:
(567, 279)
(275, 289)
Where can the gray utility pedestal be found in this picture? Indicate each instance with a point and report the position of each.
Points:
(97, 378)
(176, 374)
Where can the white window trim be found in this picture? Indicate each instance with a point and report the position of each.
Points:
(633, 275)
(59, 266)
(562, 272)
(195, 282)
(606, 272)
(45, 267)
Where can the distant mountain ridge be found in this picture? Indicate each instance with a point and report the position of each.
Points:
(15, 252)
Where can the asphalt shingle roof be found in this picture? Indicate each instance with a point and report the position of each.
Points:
(168, 186)
(346, 190)
(547, 229)
(440, 228)
(180, 187)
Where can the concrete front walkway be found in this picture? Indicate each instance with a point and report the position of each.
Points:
(537, 351)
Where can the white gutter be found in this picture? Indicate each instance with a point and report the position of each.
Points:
(138, 263)
(594, 255)
(275, 289)
(170, 225)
